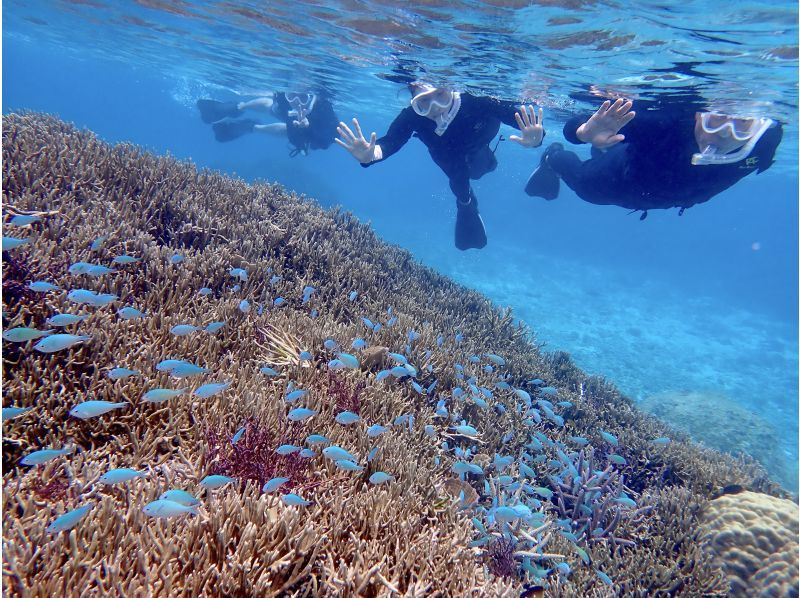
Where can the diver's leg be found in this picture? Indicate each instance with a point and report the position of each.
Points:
(228, 130)
(211, 110)
(543, 181)
(271, 129)
(481, 162)
(470, 232)
(599, 180)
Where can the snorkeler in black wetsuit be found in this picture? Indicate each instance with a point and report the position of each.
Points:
(307, 119)
(676, 155)
(457, 129)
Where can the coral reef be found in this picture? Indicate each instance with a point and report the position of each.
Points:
(754, 538)
(721, 424)
(463, 389)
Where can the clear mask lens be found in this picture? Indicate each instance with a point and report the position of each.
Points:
(422, 103)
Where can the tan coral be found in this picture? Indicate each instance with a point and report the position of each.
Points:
(754, 538)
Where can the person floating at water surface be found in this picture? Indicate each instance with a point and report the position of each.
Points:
(457, 129)
(674, 156)
(307, 119)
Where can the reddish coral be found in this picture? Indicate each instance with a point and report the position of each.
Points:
(500, 554)
(346, 397)
(55, 489)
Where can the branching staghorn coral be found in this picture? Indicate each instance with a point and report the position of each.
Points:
(355, 537)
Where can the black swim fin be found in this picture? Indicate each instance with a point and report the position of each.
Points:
(470, 232)
(228, 130)
(211, 110)
(544, 181)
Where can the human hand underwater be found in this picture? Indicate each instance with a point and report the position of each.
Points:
(602, 129)
(361, 149)
(530, 126)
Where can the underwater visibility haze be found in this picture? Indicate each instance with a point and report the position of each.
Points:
(238, 362)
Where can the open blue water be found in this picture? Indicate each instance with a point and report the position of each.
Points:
(706, 302)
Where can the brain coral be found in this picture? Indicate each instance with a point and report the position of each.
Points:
(192, 231)
(754, 537)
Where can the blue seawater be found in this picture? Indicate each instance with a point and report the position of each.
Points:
(704, 302)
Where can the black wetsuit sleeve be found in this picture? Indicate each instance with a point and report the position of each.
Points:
(397, 136)
(500, 109)
(571, 128)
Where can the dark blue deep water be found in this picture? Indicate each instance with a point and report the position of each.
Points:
(704, 303)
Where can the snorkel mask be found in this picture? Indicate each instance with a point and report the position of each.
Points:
(429, 96)
(302, 104)
(744, 130)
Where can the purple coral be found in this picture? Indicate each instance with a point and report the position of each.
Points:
(346, 398)
(254, 458)
(55, 489)
(500, 555)
(590, 498)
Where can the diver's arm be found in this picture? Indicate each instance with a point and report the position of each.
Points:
(602, 128)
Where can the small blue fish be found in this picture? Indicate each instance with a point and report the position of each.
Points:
(164, 509)
(89, 409)
(186, 370)
(79, 268)
(211, 482)
(461, 467)
(609, 438)
(459, 337)
(65, 319)
(347, 417)
(300, 414)
(205, 291)
(59, 342)
(359, 343)
(168, 365)
(314, 313)
(97, 243)
(287, 449)
(176, 259)
(181, 497)
(617, 459)
(159, 395)
(307, 292)
(306, 356)
(238, 435)
(244, 306)
(279, 301)
(10, 243)
(398, 357)
(239, 273)
(371, 454)
(350, 361)
(465, 430)
(125, 259)
(23, 335)
(306, 453)
(214, 327)
(579, 440)
(565, 404)
(661, 441)
(382, 375)
(348, 465)
(129, 313)
(315, 439)
(295, 395)
(336, 453)
(12, 412)
(391, 321)
(329, 344)
(183, 329)
(98, 270)
(42, 286)
(368, 323)
(543, 492)
(294, 500)
(352, 296)
(268, 371)
(495, 359)
(604, 578)
(380, 477)
(44, 455)
(68, 520)
(413, 335)
(209, 390)
(24, 220)
(90, 297)
(376, 430)
(120, 476)
(626, 501)
(399, 371)
(273, 484)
